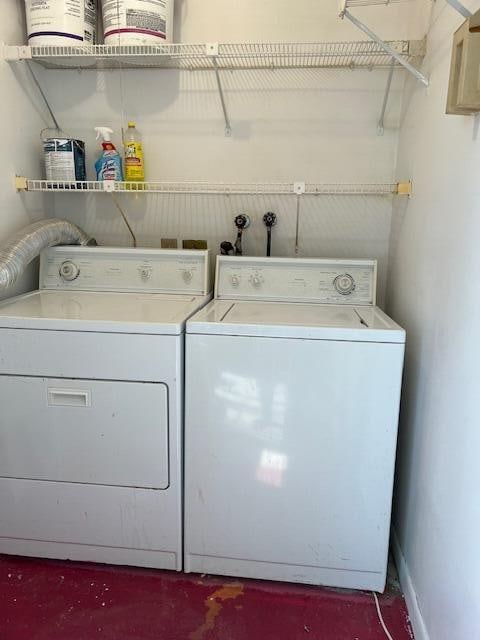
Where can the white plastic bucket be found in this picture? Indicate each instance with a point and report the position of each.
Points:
(61, 22)
(137, 22)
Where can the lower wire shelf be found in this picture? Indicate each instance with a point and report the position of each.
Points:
(213, 188)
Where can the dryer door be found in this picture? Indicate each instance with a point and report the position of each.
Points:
(84, 431)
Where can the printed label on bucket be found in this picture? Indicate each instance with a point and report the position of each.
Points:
(57, 22)
(64, 160)
(137, 21)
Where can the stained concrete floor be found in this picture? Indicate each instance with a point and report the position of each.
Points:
(53, 600)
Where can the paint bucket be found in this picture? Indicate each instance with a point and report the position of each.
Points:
(64, 159)
(61, 22)
(137, 22)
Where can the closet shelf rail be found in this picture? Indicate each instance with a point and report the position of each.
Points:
(211, 56)
(368, 3)
(214, 188)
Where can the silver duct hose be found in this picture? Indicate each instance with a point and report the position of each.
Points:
(23, 247)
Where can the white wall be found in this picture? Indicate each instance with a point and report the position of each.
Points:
(316, 125)
(434, 294)
(21, 122)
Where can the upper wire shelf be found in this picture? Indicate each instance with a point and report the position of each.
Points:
(360, 54)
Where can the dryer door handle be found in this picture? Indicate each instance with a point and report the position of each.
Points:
(69, 398)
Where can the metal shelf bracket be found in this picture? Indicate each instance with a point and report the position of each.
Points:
(458, 6)
(381, 122)
(212, 52)
(108, 186)
(21, 183)
(404, 188)
(299, 188)
(345, 13)
(14, 54)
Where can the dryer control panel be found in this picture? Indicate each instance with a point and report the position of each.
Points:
(314, 280)
(125, 270)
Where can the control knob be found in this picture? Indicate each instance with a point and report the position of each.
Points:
(256, 280)
(69, 271)
(187, 275)
(344, 284)
(145, 273)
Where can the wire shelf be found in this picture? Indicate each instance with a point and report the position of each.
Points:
(375, 189)
(362, 54)
(370, 3)
(207, 188)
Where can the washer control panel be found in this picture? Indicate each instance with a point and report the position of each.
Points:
(138, 270)
(315, 280)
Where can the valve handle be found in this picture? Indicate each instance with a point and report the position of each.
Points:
(270, 219)
(227, 248)
(242, 222)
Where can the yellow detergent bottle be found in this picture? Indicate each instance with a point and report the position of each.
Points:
(134, 165)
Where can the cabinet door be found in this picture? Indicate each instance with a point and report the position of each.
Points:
(84, 431)
(464, 88)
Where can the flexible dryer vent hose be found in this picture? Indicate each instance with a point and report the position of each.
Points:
(23, 247)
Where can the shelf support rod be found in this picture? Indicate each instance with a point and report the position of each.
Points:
(228, 126)
(385, 46)
(458, 6)
(212, 51)
(381, 122)
(44, 97)
(299, 189)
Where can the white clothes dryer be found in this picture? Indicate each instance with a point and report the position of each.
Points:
(91, 395)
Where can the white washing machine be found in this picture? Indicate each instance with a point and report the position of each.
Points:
(91, 396)
(293, 382)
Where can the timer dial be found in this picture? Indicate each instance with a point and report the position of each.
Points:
(344, 284)
(69, 271)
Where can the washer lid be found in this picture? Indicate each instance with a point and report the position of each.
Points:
(296, 320)
(100, 311)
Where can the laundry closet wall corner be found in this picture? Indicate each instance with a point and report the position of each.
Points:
(21, 121)
(434, 294)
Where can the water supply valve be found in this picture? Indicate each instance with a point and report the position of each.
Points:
(269, 220)
(227, 248)
(242, 222)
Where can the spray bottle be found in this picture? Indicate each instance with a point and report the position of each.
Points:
(109, 164)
